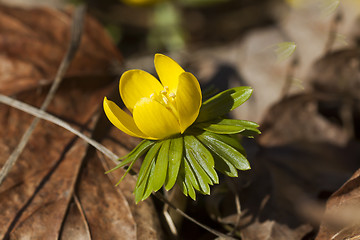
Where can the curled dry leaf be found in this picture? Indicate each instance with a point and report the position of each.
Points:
(304, 117)
(342, 215)
(337, 73)
(33, 42)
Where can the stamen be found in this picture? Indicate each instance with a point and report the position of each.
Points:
(166, 88)
(172, 95)
(152, 96)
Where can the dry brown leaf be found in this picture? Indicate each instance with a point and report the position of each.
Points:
(337, 73)
(58, 189)
(342, 216)
(303, 117)
(33, 42)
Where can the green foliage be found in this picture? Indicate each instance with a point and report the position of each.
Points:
(229, 126)
(223, 103)
(191, 159)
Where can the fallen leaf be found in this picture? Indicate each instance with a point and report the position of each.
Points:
(57, 189)
(33, 42)
(341, 219)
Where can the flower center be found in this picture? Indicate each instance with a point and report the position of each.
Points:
(167, 99)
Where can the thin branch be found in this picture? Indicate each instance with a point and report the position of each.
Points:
(76, 32)
(48, 117)
(213, 231)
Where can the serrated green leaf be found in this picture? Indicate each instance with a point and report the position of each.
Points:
(161, 166)
(202, 177)
(223, 103)
(145, 166)
(175, 156)
(150, 182)
(224, 150)
(136, 153)
(202, 155)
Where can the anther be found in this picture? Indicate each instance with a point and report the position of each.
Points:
(172, 95)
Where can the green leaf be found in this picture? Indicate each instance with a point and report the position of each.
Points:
(124, 175)
(230, 140)
(230, 126)
(202, 178)
(190, 179)
(145, 166)
(284, 50)
(225, 166)
(136, 153)
(190, 188)
(223, 103)
(140, 189)
(175, 156)
(161, 166)
(181, 179)
(197, 151)
(150, 181)
(223, 150)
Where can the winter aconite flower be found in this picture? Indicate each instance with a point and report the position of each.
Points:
(186, 140)
(159, 109)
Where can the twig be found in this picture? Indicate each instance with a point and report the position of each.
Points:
(48, 117)
(213, 231)
(76, 31)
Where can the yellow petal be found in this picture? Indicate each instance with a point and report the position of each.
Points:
(121, 119)
(168, 71)
(188, 99)
(137, 84)
(154, 119)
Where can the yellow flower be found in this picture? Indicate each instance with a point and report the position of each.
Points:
(159, 110)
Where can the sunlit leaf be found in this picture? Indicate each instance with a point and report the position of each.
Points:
(149, 158)
(175, 156)
(224, 151)
(223, 103)
(161, 166)
(150, 182)
(284, 50)
(328, 7)
(225, 166)
(196, 150)
(136, 153)
(190, 179)
(203, 179)
(181, 178)
(228, 126)
(230, 140)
